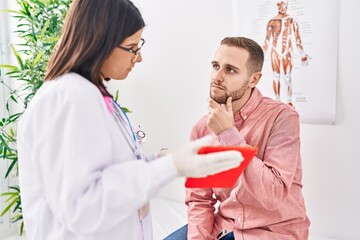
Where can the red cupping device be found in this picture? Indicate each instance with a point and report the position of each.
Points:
(224, 179)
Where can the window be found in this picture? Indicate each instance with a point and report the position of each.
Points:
(5, 228)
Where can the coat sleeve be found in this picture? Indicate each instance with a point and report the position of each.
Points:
(201, 208)
(71, 151)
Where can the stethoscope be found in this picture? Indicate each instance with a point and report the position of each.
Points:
(132, 137)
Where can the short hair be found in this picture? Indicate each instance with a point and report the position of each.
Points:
(92, 29)
(256, 54)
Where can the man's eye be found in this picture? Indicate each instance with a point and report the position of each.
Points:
(230, 70)
(216, 67)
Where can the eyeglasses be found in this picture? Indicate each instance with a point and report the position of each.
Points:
(136, 51)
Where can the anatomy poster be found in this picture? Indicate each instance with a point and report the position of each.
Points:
(300, 41)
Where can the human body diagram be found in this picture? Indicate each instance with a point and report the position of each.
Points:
(280, 32)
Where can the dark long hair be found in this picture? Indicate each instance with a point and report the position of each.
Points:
(92, 29)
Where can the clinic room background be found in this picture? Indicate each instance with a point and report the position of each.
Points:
(168, 94)
(181, 39)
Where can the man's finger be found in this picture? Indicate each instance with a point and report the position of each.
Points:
(213, 103)
(211, 108)
(229, 104)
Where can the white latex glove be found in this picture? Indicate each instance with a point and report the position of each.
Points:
(191, 164)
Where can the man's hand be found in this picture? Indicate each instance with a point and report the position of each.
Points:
(221, 116)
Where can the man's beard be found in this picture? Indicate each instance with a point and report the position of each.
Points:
(236, 94)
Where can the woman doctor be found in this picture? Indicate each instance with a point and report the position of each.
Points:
(82, 172)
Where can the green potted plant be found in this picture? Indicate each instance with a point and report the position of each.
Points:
(39, 24)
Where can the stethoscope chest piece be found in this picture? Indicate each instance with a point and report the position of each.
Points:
(141, 136)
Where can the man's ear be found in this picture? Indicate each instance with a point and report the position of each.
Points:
(254, 79)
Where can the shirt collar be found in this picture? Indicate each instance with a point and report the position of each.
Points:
(250, 105)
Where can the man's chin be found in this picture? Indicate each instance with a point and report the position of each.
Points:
(219, 100)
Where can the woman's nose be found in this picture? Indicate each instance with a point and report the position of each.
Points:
(139, 57)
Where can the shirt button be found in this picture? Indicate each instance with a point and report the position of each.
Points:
(245, 117)
(239, 219)
(234, 199)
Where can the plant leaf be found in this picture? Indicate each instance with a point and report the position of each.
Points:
(10, 67)
(116, 95)
(16, 188)
(17, 55)
(10, 168)
(8, 207)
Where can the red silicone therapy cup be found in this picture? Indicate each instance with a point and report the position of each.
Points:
(227, 178)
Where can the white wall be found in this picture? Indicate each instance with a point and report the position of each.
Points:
(168, 91)
(330, 156)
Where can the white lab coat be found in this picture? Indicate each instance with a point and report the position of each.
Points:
(79, 177)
